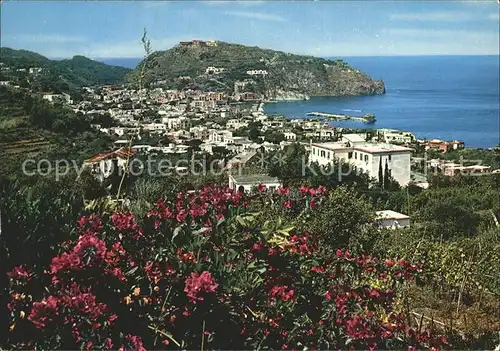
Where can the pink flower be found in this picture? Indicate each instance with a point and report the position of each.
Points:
(389, 263)
(312, 204)
(181, 216)
(132, 343)
(20, 272)
(199, 284)
(125, 221)
(283, 191)
(90, 242)
(317, 269)
(153, 272)
(281, 292)
(42, 312)
(108, 344)
(261, 188)
(287, 204)
(304, 189)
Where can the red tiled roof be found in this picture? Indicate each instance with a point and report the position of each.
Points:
(120, 153)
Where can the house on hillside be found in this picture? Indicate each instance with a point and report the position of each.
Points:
(290, 136)
(389, 219)
(103, 166)
(444, 146)
(245, 183)
(367, 157)
(241, 159)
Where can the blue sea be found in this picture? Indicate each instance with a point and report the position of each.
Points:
(444, 97)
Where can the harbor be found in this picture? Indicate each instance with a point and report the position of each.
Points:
(330, 117)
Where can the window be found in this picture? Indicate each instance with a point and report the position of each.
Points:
(390, 157)
(355, 155)
(366, 158)
(314, 151)
(349, 155)
(272, 188)
(328, 154)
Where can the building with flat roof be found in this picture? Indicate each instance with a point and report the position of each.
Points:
(367, 157)
(247, 182)
(392, 220)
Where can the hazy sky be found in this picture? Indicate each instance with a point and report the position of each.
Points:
(108, 29)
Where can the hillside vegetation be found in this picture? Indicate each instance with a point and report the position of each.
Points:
(58, 75)
(31, 128)
(286, 72)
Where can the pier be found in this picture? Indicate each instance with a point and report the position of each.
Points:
(330, 117)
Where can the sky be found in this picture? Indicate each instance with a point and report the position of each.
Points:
(113, 29)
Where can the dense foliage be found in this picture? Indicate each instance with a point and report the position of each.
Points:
(31, 128)
(201, 271)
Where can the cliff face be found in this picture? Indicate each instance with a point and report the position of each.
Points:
(185, 66)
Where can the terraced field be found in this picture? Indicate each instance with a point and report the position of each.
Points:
(27, 147)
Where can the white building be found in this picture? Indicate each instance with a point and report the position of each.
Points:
(290, 136)
(102, 166)
(354, 138)
(155, 127)
(392, 220)
(35, 70)
(367, 157)
(396, 136)
(221, 136)
(176, 123)
(58, 97)
(214, 70)
(257, 72)
(249, 182)
(236, 123)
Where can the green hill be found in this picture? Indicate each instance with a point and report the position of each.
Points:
(58, 75)
(287, 72)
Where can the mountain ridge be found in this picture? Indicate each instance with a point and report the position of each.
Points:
(66, 75)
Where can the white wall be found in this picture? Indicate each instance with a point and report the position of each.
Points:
(398, 163)
(390, 223)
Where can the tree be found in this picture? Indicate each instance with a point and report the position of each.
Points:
(387, 176)
(380, 174)
(253, 133)
(342, 220)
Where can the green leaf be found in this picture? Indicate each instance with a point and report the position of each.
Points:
(176, 232)
(132, 271)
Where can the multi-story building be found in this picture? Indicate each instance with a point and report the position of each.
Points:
(444, 146)
(155, 127)
(395, 136)
(221, 136)
(366, 157)
(176, 122)
(290, 136)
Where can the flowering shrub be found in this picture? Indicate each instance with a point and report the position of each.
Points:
(205, 270)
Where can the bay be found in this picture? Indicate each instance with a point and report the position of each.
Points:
(444, 97)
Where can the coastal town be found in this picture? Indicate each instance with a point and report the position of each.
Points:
(236, 127)
(249, 175)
